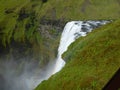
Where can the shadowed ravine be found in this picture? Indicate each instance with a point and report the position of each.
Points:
(13, 77)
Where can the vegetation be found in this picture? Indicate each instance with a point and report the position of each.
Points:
(29, 28)
(81, 9)
(91, 61)
(17, 18)
(20, 20)
(20, 31)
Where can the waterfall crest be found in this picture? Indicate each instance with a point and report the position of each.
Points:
(71, 32)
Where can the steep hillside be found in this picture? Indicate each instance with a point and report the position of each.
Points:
(32, 23)
(23, 34)
(30, 30)
(91, 61)
(81, 9)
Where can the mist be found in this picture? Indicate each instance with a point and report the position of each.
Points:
(23, 74)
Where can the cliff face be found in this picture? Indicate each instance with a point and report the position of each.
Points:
(24, 35)
(41, 46)
(27, 43)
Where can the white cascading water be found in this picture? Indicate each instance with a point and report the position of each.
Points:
(71, 32)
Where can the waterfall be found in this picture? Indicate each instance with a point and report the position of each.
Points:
(71, 32)
(12, 77)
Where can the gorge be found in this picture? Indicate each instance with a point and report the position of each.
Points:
(38, 52)
(32, 75)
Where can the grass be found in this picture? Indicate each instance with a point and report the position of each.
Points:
(91, 61)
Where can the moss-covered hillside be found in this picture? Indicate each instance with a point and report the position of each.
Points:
(81, 9)
(24, 34)
(31, 29)
(91, 61)
(19, 19)
(32, 23)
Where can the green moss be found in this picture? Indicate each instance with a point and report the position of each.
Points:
(14, 17)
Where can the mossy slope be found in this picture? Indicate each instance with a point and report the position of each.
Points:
(20, 19)
(91, 61)
(81, 9)
(20, 32)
